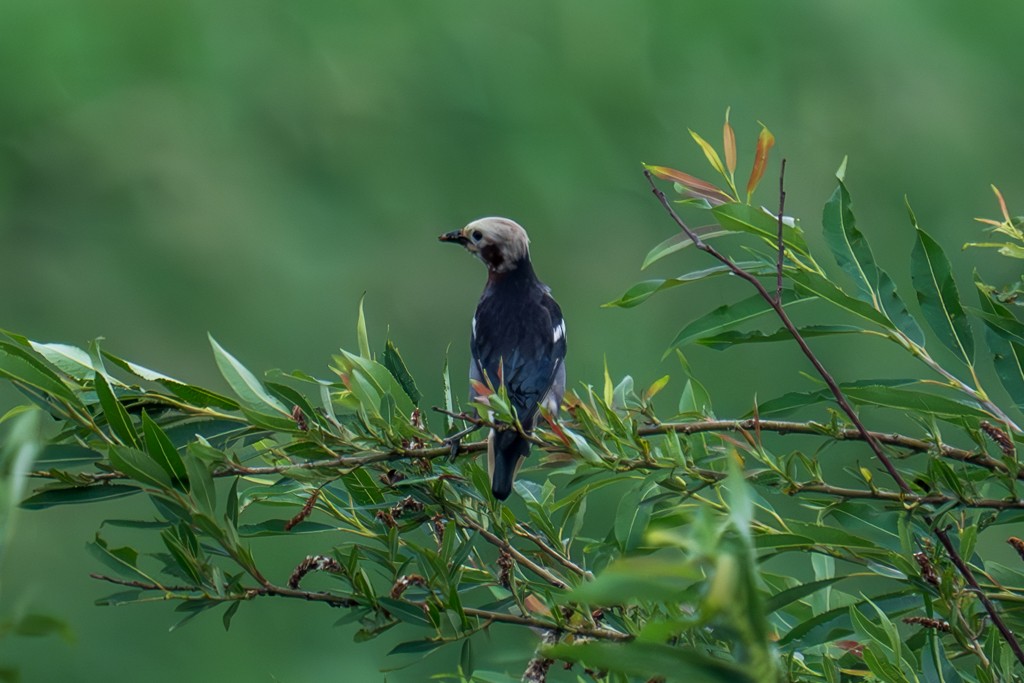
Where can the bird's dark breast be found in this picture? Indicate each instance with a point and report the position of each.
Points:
(514, 331)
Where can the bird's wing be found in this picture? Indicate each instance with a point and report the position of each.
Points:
(524, 348)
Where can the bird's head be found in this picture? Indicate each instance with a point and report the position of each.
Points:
(500, 243)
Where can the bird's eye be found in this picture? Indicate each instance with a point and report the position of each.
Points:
(477, 235)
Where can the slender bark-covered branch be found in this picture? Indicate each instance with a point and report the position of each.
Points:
(519, 557)
(341, 601)
(782, 427)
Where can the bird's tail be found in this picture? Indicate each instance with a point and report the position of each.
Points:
(505, 452)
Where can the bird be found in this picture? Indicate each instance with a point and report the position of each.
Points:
(517, 340)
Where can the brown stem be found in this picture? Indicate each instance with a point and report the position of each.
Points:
(519, 557)
(337, 601)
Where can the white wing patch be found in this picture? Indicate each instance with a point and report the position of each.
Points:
(474, 327)
(560, 331)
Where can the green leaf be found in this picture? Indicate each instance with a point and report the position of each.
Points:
(419, 647)
(194, 395)
(79, 494)
(18, 365)
(631, 519)
(39, 625)
(201, 486)
(853, 254)
(642, 291)
(631, 579)
(813, 284)
(1007, 354)
(244, 383)
(71, 360)
(275, 527)
(67, 455)
(651, 660)
(730, 338)
(913, 401)
(797, 592)
(364, 341)
(160, 448)
(394, 363)
(123, 561)
(728, 317)
(937, 294)
(835, 623)
(677, 242)
(850, 249)
(229, 613)
(756, 221)
(117, 417)
(710, 153)
(139, 466)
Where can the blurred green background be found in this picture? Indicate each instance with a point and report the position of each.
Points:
(169, 168)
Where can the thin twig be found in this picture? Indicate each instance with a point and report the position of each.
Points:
(977, 458)
(494, 540)
(339, 601)
(521, 530)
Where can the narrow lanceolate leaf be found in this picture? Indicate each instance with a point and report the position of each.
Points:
(812, 284)
(642, 291)
(1007, 354)
(396, 366)
(117, 417)
(71, 360)
(244, 383)
(160, 448)
(850, 249)
(75, 495)
(725, 340)
(765, 141)
(756, 221)
(691, 185)
(680, 241)
(937, 294)
(195, 395)
(853, 254)
(729, 144)
(729, 317)
(21, 366)
(710, 153)
(364, 341)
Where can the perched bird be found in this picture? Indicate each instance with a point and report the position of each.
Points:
(518, 340)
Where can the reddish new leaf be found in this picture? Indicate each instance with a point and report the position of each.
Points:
(765, 141)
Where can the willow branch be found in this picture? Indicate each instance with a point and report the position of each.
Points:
(502, 544)
(842, 402)
(340, 601)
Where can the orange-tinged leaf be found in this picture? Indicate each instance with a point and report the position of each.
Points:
(480, 389)
(1002, 204)
(709, 152)
(696, 186)
(533, 604)
(765, 141)
(729, 144)
(657, 386)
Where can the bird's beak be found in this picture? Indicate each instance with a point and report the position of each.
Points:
(455, 236)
